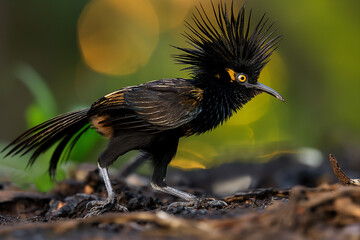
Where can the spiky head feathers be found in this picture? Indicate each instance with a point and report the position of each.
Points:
(227, 43)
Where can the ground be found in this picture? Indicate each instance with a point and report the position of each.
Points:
(328, 211)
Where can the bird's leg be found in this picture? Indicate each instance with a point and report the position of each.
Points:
(100, 207)
(134, 163)
(191, 201)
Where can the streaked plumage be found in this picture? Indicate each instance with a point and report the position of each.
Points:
(225, 60)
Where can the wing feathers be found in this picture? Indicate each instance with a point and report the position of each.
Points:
(166, 104)
(157, 105)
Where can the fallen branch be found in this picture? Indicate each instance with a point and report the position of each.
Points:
(341, 176)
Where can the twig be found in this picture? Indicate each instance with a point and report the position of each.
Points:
(341, 176)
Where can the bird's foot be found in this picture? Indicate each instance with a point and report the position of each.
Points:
(199, 203)
(100, 207)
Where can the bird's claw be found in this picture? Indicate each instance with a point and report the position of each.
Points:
(100, 207)
(199, 203)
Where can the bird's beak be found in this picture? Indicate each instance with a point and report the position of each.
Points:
(264, 88)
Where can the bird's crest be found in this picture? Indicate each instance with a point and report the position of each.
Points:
(227, 43)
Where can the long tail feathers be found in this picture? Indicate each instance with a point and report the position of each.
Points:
(66, 128)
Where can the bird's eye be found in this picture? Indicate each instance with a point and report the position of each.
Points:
(242, 78)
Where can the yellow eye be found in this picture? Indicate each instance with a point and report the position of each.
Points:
(242, 78)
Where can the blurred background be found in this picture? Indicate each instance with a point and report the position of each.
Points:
(58, 56)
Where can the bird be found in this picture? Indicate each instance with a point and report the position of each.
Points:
(224, 58)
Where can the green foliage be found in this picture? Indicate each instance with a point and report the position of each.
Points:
(44, 105)
(42, 109)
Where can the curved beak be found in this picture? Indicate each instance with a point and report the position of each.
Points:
(264, 88)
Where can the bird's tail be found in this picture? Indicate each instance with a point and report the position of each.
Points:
(65, 129)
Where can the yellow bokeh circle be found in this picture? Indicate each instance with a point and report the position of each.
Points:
(172, 13)
(118, 36)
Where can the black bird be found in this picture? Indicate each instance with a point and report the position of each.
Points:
(224, 61)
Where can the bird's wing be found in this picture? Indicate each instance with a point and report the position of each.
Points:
(157, 105)
(166, 104)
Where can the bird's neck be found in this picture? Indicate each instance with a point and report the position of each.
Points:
(218, 105)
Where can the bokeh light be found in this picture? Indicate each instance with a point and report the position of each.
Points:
(194, 154)
(171, 13)
(118, 37)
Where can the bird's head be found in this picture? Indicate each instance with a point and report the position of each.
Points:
(225, 53)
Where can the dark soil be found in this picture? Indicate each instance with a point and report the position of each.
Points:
(323, 212)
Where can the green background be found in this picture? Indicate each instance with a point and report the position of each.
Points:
(45, 70)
